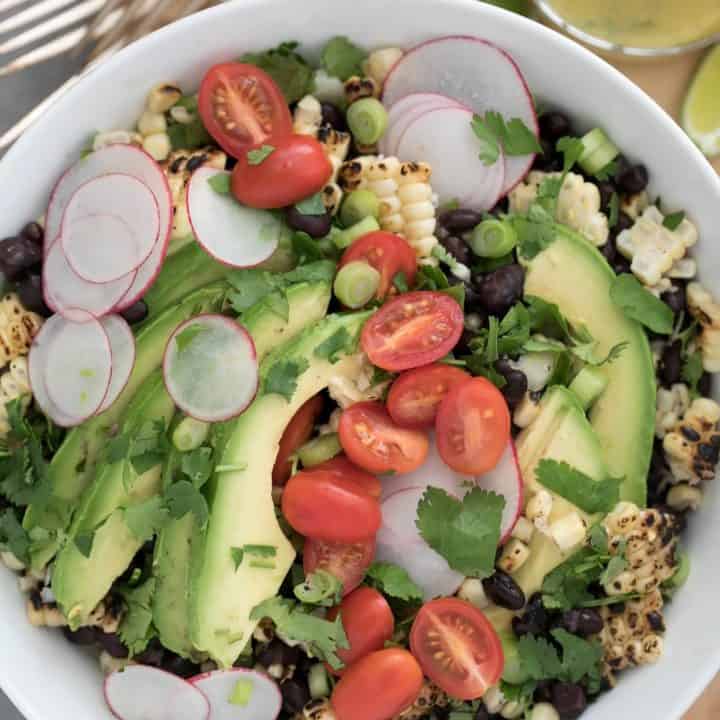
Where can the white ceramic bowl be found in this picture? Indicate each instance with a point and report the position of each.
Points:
(51, 680)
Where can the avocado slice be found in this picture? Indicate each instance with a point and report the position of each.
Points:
(242, 511)
(572, 274)
(80, 582)
(560, 432)
(308, 303)
(73, 466)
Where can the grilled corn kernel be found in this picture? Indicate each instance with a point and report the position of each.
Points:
(357, 88)
(512, 710)
(569, 531)
(634, 205)
(18, 327)
(158, 146)
(380, 62)
(494, 699)
(523, 530)
(684, 497)
(544, 711)
(538, 509)
(116, 137)
(14, 383)
(151, 123)
(307, 117)
(162, 97)
(431, 696)
(319, 709)
(526, 411)
(706, 311)
(513, 555)
(473, 591)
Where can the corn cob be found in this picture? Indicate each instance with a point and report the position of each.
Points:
(706, 311)
(430, 697)
(13, 384)
(18, 327)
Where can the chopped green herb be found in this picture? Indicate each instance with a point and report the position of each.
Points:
(575, 486)
(342, 59)
(608, 171)
(614, 567)
(147, 518)
(183, 497)
(673, 220)
(198, 465)
(640, 304)
(186, 337)
(613, 210)
(282, 377)
(692, 371)
(220, 183)
(136, 629)
(259, 155)
(339, 342)
(400, 282)
(263, 551)
(263, 564)
(312, 205)
(237, 555)
(533, 237)
(514, 137)
(287, 68)
(84, 543)
(188, 136)
(394, 581)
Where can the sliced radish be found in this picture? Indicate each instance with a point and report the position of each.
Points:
(68, 294)
(122, 349)
(473, 72)
(264, 700)
(210, 368)
(444, 138)
(233, 234)
(69, 368)
(405, 111)
(110, 227)
(140, 692)
(126, 159)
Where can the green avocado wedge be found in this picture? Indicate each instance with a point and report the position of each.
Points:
(227, 585)
(572, 274)
(179, 539)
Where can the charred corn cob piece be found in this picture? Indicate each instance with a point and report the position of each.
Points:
(18, 327)
(380, 62)
(319, 709)
(430, 697)
(706, 311)
(13, 384)
(358, 87)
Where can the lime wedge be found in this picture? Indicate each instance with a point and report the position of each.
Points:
(701, 111)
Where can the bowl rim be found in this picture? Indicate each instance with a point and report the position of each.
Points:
(63, 104)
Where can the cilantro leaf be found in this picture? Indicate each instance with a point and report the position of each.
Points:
(400, 282)
(640, 304)
(147, 518)
(330, 348)
(259, 155)
(342, 58)
(13, 537)
(283, 376)
(306, 249)
(186, 337)
(183, 497)
(84, 543)
(311, 272)
(287, 68)
(513, 136)
(489, 141)
(250, 286)
(312, 205)
(198, 465)
(518, 139)
(237, 554)
(692, 370)
(220, 183)
(136, 629)
(575, 486)
(673, 220)
(571, 148)
(465, 533)
(293, 622)
(538, 658)
(533, 237)
(394, 581)
(616, 565)
(579, 657)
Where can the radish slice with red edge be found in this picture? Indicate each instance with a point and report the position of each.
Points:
(69, 367)
(444, 138)
(404, 112)
(110, 227)
(227, 689)
(231, 233)
(473, 72)
(126, 159)
(71, 296)
(122, 348)
(210, 368)
(140, 692)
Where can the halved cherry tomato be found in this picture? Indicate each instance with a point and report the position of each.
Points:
(294, 170)
(457, 647)
(323, 505)
(388, 253)
(414, 397)
(344, 467)
(411, 330)
(368, 622)
(242, 107)
(346, 561)
(378, 687)
(297, 433)
(472, 427)
(374, 442)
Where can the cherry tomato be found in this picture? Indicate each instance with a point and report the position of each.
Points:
(472, 427)
(388, 253)
(346, 561)
(374, 442)
(368, 622)
(297, 433)
(242, 107)
(414, 397)
(411, 330)
(343, 466)
(378, 687)
(294, 170)
(457, 647)
(323, 505)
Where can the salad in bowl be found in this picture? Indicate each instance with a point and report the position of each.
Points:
(389, 399)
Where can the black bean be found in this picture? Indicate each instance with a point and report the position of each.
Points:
(547, 160)
(463, 344)
(458, 248)
(606, 189)
(136, 313)
(30, 293)
(621, 265)
(195, 162)
(534, 620)
(504, 591)
(609, 251)
(459, 220)
(705, 384)
(18, 254)
(516, 383)
(624, 222)
(502, 288)
(295, 695)
(153, 655)
(81, 636)
(473, 301)
(34, 232)
(179, 666)
(276, 652)
(675, 298)
(315, 226)
(482, 713)
(554, 125)
(569, 700)
(633, 179)
(112, 645)
(670, 365)
(331, 115)
(582, 621)
(230, 162)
